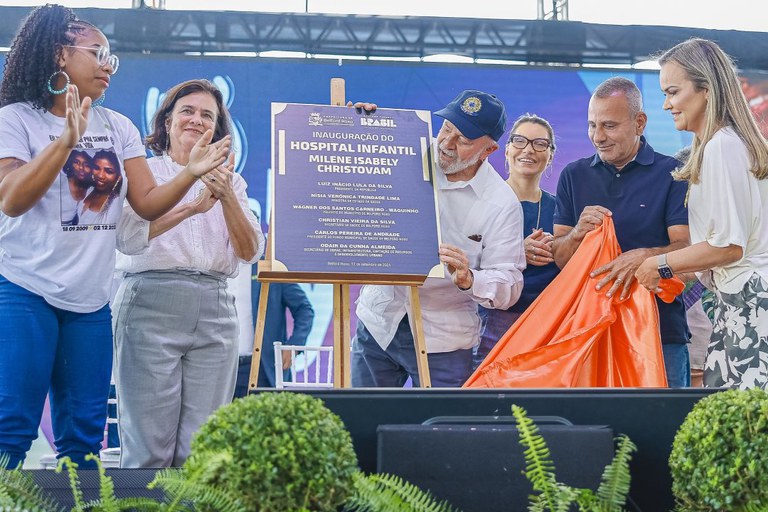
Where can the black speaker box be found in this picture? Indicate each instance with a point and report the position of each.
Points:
(128, 483)
(480, 468)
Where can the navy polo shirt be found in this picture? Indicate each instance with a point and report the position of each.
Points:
(645, 201)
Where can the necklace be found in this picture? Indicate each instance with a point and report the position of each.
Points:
(538, 216)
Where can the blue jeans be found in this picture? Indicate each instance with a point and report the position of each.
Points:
(45, 348)
(494, 324)
(374, 366)
(677, 364)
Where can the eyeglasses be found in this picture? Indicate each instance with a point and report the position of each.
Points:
(520, 142)
(103, 57)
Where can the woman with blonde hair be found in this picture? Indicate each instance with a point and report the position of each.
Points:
(727, 207)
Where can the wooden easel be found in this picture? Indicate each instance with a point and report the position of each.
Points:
(341, 306)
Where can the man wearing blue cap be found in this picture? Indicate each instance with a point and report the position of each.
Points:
(481, 228)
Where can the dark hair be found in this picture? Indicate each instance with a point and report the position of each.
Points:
(106, 154)
(72, 155)
(34, 54)
(158, 140)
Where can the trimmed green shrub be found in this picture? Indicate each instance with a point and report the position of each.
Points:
(719, 458)
(288, 452)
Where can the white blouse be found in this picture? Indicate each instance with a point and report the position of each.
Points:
(200, 242)
(729, 206)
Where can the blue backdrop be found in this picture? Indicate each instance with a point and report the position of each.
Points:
(560, 95)
(251, 84)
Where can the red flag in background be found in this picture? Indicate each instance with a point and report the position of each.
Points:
(575, 336)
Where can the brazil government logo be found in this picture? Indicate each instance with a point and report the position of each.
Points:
(471, 105)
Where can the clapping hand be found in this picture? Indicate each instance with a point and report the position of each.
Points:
(204, 201)
(206, 156)
(76, 117)
(219, 180)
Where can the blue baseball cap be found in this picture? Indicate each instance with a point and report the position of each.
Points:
(476, 113)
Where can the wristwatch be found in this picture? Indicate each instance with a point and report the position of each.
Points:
(664, 271)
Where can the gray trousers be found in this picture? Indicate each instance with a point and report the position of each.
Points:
(176, 336)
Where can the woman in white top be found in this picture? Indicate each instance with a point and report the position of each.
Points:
(55, 277)
(727, 209)
(176, 331)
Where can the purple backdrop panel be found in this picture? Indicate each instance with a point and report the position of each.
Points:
(353, 191)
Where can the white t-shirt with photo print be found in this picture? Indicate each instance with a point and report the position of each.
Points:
(70, 266)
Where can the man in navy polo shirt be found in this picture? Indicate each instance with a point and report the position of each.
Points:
(628, 180)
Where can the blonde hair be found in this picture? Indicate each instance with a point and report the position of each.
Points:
(711, 69)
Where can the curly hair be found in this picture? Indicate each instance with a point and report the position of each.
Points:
(34, 54)
(158, 141)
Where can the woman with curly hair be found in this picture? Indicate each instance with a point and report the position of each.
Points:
(55, 321)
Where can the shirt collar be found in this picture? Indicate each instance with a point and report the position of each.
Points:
(644, 156)
(476, 184)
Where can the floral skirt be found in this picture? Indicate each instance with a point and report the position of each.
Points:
(737, 355)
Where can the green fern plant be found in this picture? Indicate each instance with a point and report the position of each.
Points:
(187, 489)
(107, 501)
(390, 493)
(19, 492)
(554, 496)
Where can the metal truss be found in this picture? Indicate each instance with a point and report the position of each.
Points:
(530, 41)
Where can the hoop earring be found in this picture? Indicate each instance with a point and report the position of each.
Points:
(53, 77)
(98, 101)
(548, 172)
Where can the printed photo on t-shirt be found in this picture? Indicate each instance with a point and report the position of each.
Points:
(91, 180)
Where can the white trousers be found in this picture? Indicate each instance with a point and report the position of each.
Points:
(176, 337)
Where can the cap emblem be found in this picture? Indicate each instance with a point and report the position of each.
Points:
(471, 106)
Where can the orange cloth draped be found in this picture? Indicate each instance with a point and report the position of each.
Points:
(575, 336)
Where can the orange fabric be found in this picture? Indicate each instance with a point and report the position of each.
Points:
(575, 336)
(670, 288)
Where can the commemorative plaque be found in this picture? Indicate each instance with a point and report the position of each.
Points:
(354, 199)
